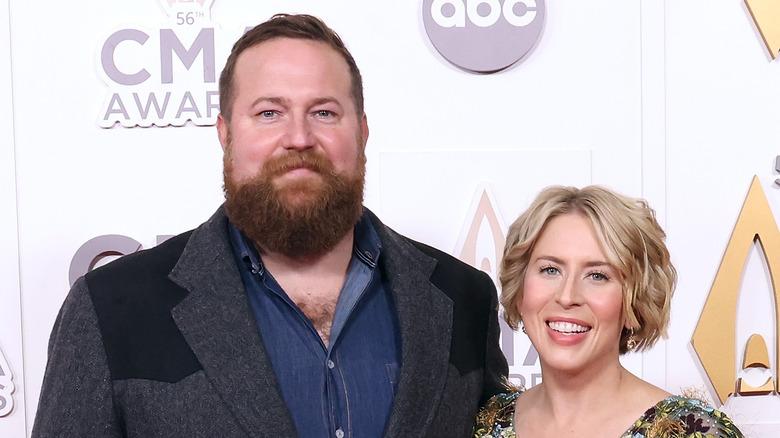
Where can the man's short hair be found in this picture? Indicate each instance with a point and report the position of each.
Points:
(634, 244)
(299, 26)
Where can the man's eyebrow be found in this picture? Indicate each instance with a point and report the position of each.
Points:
(283, 101)
(327, 99)
(271, 99)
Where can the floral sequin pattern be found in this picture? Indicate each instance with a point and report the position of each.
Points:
(680, 417)
(673, 417)
(496, 419)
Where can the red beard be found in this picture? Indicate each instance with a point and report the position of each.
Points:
(300, 218)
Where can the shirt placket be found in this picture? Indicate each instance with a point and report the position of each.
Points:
(336, 399)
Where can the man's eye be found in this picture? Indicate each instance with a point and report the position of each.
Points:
(267, 114)
(324, 113)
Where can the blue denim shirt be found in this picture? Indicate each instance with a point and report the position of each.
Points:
(346, 389)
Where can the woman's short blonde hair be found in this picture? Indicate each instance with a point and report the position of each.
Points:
(634, 245)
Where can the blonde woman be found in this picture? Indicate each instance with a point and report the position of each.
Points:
(587, 276)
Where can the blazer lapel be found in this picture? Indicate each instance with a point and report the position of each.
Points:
(425, 318)
(216, 321)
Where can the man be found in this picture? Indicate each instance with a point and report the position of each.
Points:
(293, 311)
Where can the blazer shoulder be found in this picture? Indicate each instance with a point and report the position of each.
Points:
(132, 298)
(454, 277)
(144, 264)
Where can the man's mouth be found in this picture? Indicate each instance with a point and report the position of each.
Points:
(567, 328)
(301, 165)
(296, 163)
(297, 169)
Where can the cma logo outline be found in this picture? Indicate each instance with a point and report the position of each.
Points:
(714, 339)
(766, 16)
(481, 244)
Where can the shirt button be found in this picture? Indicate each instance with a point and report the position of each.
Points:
(339, 433)
(331, 365)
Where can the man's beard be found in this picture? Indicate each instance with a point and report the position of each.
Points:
(307, 217)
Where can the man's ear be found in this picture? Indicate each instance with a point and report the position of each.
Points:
(222, 132)
(364, 131)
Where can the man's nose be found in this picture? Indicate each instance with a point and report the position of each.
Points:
(299, 135)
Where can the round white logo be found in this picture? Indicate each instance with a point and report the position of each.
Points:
(483, 36)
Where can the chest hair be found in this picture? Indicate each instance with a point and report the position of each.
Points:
(320, 311)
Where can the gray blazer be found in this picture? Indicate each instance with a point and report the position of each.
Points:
(162, 343)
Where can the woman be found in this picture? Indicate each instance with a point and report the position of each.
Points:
(588, 276)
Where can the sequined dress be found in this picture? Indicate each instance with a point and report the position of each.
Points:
(673, 417)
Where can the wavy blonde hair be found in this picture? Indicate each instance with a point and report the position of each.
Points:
(634, 245)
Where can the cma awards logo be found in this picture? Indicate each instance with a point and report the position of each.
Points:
(6, 387)
(721, 351)
(165, 76)
(481, 245)
(483, 36)
(766, 15)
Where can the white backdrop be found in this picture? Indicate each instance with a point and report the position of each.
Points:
(676, 102)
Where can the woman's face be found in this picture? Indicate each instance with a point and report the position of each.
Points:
(572, 305)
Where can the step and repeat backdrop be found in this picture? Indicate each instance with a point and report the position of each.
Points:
(108, 146)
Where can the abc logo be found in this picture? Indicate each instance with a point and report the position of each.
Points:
(483, 36)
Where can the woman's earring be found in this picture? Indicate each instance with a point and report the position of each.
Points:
(523, 329)
(631, 343)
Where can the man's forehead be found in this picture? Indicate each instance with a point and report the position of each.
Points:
(314, 64)
(285, 47)
(287, 56)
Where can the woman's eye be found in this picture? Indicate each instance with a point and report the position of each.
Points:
(549, 270)
(599, 276)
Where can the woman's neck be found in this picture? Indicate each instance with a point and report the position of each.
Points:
(565, 394)
(578, 404)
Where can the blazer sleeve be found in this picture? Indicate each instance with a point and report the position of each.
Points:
(475, 320)
(76, 397)
(496, 368)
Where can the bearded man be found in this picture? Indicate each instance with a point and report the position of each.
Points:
(293, 311)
